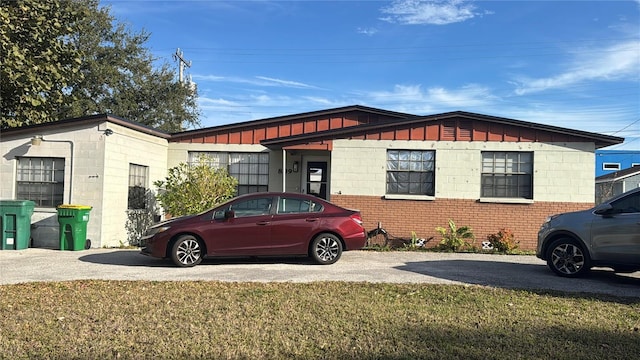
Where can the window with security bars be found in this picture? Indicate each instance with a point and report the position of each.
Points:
(41, 180)
(251, 169)
(507, 174)
(138, 184)
(411, 172)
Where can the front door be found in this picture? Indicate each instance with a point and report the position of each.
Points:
(317, 178)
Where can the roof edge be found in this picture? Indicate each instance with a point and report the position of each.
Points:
(88, 119)
(367, 109)
(599, 139)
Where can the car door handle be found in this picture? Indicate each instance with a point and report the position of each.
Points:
(311, 219)
(263, 223)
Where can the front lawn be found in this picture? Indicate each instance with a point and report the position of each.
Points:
(324, 320)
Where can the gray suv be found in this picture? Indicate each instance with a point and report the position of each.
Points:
(607, 235)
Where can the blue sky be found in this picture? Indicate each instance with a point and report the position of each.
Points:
(574, 64)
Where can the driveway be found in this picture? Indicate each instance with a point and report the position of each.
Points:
(502, 271)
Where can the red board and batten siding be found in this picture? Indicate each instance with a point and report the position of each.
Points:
(401, 217)
(253, 133)
(462, 130)
(432, 130)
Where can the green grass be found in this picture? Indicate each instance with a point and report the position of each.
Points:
(324, 320)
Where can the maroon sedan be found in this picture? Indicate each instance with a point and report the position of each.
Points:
(259, 224)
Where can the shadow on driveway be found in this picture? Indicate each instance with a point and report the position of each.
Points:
(134, 258)
(527, 276)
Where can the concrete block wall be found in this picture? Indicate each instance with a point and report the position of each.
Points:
(126, 146)
(82, 182)
(563, 180)
(359, 168)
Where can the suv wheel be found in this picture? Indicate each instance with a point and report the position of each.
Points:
(567, 258)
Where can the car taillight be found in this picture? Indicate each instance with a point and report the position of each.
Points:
(357, 218)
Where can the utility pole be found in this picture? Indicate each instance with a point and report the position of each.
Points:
(181, 64)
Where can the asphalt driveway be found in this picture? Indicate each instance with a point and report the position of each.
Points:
(502, 271)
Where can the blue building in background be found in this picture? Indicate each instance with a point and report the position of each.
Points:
(610, 161)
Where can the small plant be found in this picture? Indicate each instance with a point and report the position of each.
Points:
(415, 242)
(455, 238)
(503, 241)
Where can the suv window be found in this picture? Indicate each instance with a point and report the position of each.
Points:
(628, 204)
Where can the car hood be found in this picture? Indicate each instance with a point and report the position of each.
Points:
(174, 220)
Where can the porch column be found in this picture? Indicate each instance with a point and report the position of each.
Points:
(284, 170)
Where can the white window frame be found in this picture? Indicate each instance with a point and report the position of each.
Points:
(413, 166)
(41, 179)
(614, 166)
(138, 186)
(251, 169)
(505, 175)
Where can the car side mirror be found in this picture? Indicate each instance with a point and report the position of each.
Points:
(224, 215)
(604, 209)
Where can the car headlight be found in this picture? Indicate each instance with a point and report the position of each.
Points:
(550, 218)
(155, 230)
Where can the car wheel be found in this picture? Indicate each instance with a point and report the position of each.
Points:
(326, 249)
(186, 251)
(567, 258)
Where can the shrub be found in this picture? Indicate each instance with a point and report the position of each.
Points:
(503, 241)
(193, 188)
(455, 238)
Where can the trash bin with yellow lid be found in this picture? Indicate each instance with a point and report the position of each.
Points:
(15, 223)
(73, 221)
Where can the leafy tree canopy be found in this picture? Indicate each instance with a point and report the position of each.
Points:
(71, 58)
(191, 189)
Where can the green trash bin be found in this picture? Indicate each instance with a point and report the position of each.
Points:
(15, 221)
(73, 221)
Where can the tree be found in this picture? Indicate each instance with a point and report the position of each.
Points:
(37, 64)
(191, 189)
(100, 67)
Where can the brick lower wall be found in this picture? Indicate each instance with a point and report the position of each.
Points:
(401, 217)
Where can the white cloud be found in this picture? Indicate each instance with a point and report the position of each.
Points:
(209, 103)
(367, 31)
(619, 62)
(285, 83)
(413, 99)
(320, 101)
(433, 12)
(256, 81)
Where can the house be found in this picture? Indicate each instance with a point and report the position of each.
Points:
(93, 161)
(409, 173)
(616, 183)
(611, 161)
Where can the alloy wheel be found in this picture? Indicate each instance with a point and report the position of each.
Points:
(188, 252)
(327, 249)
(568, 259)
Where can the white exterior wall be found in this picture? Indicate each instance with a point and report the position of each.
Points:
(124, 147)
(359, 167)
(99, 177)
(82, 183)
(179, 153)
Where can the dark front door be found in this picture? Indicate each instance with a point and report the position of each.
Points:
(317, 178)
